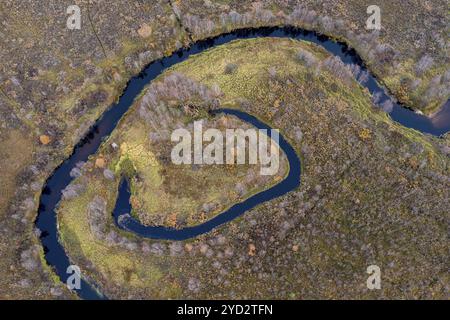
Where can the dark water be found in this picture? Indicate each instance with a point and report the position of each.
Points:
(46, 219)
(291, 182)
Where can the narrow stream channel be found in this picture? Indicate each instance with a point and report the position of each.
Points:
(46, 220)
(289, 183)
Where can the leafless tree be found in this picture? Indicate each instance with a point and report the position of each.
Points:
(423, 64)
(387, 106)
(338, 68)
(97, 217)
(73, 191)
(307, 58)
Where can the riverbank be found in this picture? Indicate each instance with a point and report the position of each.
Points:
(352, 153)
(54, 69)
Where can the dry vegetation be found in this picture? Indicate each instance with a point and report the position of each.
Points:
(372, 192)
(55, 82)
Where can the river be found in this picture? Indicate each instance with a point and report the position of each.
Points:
(46, 220)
